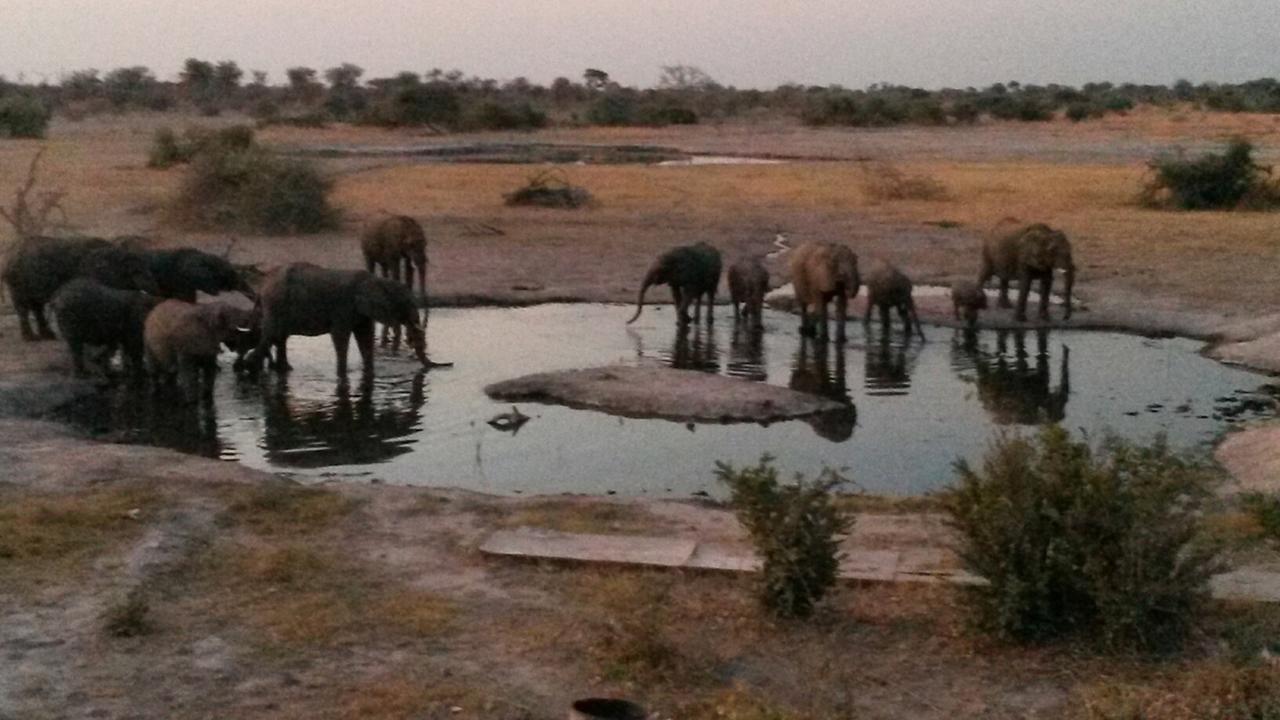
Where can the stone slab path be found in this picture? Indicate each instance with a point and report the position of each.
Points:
(914, 565)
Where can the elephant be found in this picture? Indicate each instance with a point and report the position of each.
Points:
(967, 298)
(182, 272)
(388, 243)
(692, 271)
(821, 273)
(40, 265)
(748, 283)
(812, 373)
(889, 288)
(1030, 252)
(90, 313)
(185, 338)
(305, 299)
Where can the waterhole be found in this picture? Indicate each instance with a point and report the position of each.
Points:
(914, 408)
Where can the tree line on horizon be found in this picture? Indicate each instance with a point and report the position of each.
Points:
(684, 94)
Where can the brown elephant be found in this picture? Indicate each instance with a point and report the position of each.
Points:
(888, 288)
(305, 299)
(392, 243)
(822, 273)
(90, 313)
(1028, 252)
(38, 266)
(185, 338)
(967, 298)
(748, 283)
(692, 271)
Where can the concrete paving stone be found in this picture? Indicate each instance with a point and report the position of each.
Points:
(927, 561)
(878, 565)
(724, 556)
(625, 549)
(1250, 584)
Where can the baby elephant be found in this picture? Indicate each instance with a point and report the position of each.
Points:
(889, 288)
(967, 298)
(748, 283)
(185, 338)
(90, 313)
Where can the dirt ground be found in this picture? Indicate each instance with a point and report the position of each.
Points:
(140, 583)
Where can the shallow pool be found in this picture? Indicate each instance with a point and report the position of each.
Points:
(914, 408)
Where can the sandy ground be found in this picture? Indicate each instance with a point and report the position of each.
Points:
(264, 600)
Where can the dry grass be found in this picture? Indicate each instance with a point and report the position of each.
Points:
(46, 535)
(283, 507)
(885, 182)
(294, 597)
(1195, 692)
(568, 515)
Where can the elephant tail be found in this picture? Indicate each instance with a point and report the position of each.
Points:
(640, 301)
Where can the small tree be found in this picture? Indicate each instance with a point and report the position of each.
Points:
(1227, 180)
(23, 117)
(31, 215)
(796, 531)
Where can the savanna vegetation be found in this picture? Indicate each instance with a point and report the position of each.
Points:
(683, 94)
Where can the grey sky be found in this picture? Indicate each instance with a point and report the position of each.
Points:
(760, 43)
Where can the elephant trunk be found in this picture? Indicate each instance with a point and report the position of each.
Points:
(418, 341)
(648, 280)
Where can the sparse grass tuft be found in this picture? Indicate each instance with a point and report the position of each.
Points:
(285, 507)
(1206, 690)
(550, 189)
(44, 532)
(574, 516)
(883, 182)
(130, 617)
(737, 703)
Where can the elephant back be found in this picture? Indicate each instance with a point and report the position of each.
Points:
(176, 327)
(887, 284)
(1043, 248)
(394, 237)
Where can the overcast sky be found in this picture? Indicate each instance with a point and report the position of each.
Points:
(748, 43)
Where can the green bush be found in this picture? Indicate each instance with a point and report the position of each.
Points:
(1078, 111)
(796, 530)
(23, 117)
(1265, 510)
(1078, 542)
(414, 104)
(167, 149)
(497, 116)
(1227, 180)
(250, 189)
(612, 109)
(669, 115)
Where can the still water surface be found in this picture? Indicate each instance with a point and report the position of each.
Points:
(915, 407)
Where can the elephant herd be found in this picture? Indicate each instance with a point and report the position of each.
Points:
(827, 274)
(118, 296)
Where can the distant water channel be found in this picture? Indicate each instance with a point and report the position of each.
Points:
(915, 407)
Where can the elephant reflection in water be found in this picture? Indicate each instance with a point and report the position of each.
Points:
(746, 354)
(155, 419)
(889, 363)
(1018, 392)
(695, 348)
(812, 373)
(344, 430)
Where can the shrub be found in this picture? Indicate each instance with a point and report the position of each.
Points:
(416, 103)
(612, 109)
(1265, 510)
(497, 116)
(251, 189)
(965, 112)
(23, 117)
(882, 181)
(796, 530)
(167, 149)
(549, 189)
(669, 115)
(1075, 541)
(1227, 180)
(1078, 111)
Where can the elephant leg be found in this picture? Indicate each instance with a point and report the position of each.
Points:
(842, 315)
(736, 313)
(42, 323)
(885, 321)
(363, 332)
(1046, 287)
(711, 307)
(24, 319)
(1024, 288)
(866, 315)
(188, 377)
(77, 356)
(1004, 293)
(282, 357)
(904, 314)
(341, 338)
(820, 321)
